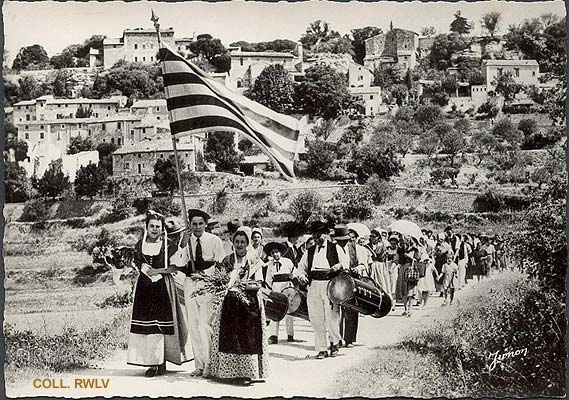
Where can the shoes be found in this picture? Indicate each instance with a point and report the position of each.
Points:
(246, 382)
(404, 313)
(349, 345)
(444, 304)
(321, 355)
(340, 344)
(290, 338)
(151, 372)
(206, 372)
(333, 350)
(197, 372)
(162, 369)
(273, 340)
(408, 315)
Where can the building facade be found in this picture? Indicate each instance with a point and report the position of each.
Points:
(136, 45)
(370, 96)
(396, 47)
(525, 72)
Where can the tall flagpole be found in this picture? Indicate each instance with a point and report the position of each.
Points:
(154, 19)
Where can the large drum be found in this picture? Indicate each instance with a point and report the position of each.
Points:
(359, 294)
(276, 305)
(297, 305)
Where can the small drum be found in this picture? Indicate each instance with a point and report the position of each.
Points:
(276, 305)
(297, 305)
(359, 294)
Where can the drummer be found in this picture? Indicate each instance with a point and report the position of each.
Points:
(316, 266)
(279, 274)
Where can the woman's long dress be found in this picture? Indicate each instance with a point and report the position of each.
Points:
(240, 342)
(158, 329)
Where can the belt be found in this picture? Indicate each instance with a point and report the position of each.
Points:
(200, 266)
(281, 278)
(323, 275)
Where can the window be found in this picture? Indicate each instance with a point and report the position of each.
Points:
(41, 126)
(139, 155)
(126, 165)
(143, 47)
(58, 135)
(158, 109)
(119, 125)
(371, 96)
(113, 140)
(90, 133)
(135, 46)
(62, 126)
(28, 118)
(517, 72)
(533, 73)
(143, 58)
(119, 141)
(42, 135)
(135, 59)
(67, 105)
(103, 127)
(151, 58)
(143, 130)
(499, 71)
(158, 118)
(240, 63)
(151, 46)
(27, 135)
(109, 108)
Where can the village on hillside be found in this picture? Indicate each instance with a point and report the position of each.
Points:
(383, 205)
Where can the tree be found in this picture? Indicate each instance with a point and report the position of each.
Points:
(318, 158)
(106, 156)
(78, 144)
(505, 131)
(165, 176)
(273, 88)
(460, 24)
(323, 92)
(273, 45)
(444, 47)
(484, 144)
(359, 36)
(63, 84)
(338, 45)
(428, 115)
(506, 85)
(30, 88)
(453, 142)
(222, 62)
(399, 93)
(220, 149)
(428, 31)
(53, 182)
(89, 180)
(372, 159)
(528, 126)
(15, 183)
(66, 59)
(20, 147)
(134, 80)
(387, 76)
(31, 58)
(317, 31)
(247, 147)
(208, 47)
(491, 22)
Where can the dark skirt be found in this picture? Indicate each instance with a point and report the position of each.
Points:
(152, 310)
(240, 330)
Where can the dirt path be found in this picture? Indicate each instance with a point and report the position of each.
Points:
(291, 374)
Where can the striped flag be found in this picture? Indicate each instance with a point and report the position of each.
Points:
(197, 104)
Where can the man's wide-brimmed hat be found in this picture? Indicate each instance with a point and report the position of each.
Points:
(269, 247)
(233, 225)
(194, 212)
(173, 225)
(294, 228)
(319, 227)
(341, 232)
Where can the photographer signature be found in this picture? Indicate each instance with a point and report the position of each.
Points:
(499, 358)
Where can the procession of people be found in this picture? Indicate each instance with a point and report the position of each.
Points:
(227, 312)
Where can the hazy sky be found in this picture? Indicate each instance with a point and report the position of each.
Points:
(54, 25)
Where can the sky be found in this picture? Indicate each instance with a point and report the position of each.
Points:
(55, 25)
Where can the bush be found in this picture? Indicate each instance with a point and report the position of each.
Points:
(491, 201)
(116, 301)
(165, 206)
(88, 274)
(504, 314)
(380, 190)
(440, 175)
(75, 223)
(356, 203)
(220, 202)
(305, 205)
(35, 210)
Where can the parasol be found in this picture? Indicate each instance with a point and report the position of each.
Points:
(406, 228)
(362, 230)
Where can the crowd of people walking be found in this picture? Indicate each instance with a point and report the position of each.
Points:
(220, 320)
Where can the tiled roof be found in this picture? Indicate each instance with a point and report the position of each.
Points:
(260, 54)
(119, 117)
(509, 63)
(149, 103)
(150, 146)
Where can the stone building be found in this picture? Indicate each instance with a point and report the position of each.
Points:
(47, 108)
(396, 47)
(525, 72)
(139, 158)
(141, 45)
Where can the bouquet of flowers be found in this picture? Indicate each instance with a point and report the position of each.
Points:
(217, 284)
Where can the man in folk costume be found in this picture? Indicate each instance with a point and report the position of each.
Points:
(316, 267)
(279, 277)
(198, 253)
(357, 258)
(293, 252)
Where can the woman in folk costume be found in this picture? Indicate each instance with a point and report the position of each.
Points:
(462, 261)
(406, 253)
(379, 271)
(256, 251)
(279, 277)
(158, 331)
(392, 264)
(240, 345)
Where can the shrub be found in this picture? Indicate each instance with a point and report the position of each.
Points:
(88, 274)
(122, 207)
(75, 223)
(441, 175)
(220, 202)
(116, 301)
(380, 190)
(35, 210)
(504, 314)
(141, 205)
(491, 201)
(165, 206)
(356, 203)
(305, 205)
